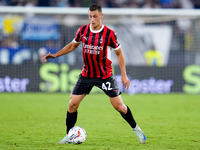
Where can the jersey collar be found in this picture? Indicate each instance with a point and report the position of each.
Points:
(96, 31)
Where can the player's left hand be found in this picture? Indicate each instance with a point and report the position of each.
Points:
(125, 81)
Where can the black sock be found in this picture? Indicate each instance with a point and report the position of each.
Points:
(71, 120)
(129, 118)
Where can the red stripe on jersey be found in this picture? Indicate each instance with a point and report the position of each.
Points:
(89, 56)
(103, 53)
(78, 34)
(109, 62)
(95, 55)
(113, 40)
(85, 65)
(100, 41)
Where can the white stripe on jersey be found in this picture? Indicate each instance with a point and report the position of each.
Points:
(76, 41)
(109, 49)
(117, 48)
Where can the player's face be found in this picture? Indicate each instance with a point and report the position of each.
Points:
(95, 19)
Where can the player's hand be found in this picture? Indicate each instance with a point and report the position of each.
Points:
(125, 81)
(49, 55)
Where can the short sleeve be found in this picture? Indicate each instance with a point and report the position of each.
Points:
(114, 43)
(77, 38)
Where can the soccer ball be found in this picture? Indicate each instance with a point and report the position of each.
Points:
(77, 135)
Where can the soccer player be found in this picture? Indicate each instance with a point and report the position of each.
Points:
(97, 42)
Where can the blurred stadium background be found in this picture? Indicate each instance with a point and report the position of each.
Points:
(160, 40)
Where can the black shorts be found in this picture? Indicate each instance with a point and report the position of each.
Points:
(85, 84)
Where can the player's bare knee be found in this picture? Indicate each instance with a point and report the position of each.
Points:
(121, 109)
(72, 105)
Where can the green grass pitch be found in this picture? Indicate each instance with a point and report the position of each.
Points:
(37, 121)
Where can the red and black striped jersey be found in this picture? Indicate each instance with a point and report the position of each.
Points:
(97, 46)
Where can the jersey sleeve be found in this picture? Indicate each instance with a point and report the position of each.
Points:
(114, 43)
(77, 38)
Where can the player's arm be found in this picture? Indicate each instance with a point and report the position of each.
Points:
(65, 50)
(124, 78)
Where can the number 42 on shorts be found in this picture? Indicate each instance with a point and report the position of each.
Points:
(106, 86)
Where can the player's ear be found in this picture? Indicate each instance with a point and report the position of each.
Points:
(101, 15)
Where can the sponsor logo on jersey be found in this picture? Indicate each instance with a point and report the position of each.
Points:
(92, 49)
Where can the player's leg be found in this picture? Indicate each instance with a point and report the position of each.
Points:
(126, 113)
(71, 118)
(124, 110)
(81, 88)
(109, 86)
(72, 113)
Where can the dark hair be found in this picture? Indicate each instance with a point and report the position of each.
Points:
(95, 7)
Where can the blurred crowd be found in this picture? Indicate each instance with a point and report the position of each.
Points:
(185, 32)
(185, 4)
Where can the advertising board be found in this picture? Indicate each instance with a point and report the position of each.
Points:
(52, 77)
